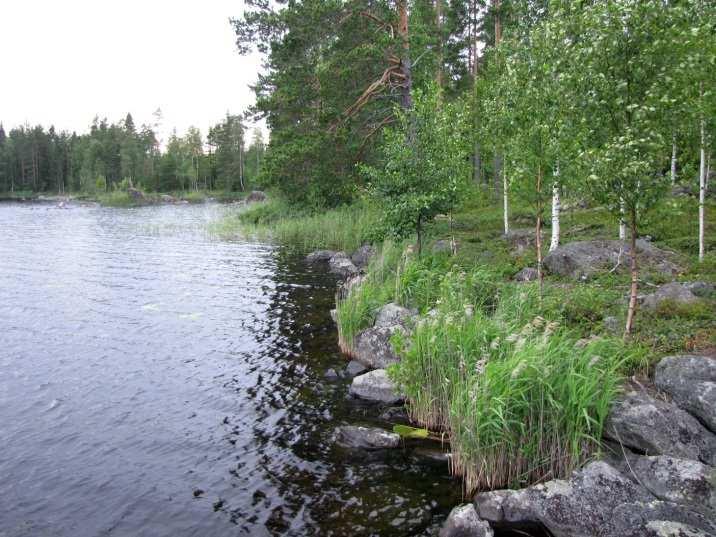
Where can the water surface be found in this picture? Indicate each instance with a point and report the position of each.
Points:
(158, 381)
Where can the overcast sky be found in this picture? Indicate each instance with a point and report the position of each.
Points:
(64, 61)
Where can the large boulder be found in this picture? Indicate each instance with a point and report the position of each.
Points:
(354, 436)
(701, 289)
(341, 265)
(527, 274)
(320, 255)
(582, 259)
(597, 500)
(464, 521)
(391, 315)
(372, 347)
(362, 256)
(348, 285)
(691, 382)
(672, 293)
(654, 427)
(355, 368)
(376, 386)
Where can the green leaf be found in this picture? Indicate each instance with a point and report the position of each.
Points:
(406, 431)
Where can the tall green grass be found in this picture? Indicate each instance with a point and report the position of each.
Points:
(344, 228)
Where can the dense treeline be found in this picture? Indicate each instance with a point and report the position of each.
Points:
(118, 155)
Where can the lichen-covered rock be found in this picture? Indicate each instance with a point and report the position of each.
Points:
(527, 274)
(673, 292)
(354, 436)
(362, 256)
(376, 386)
(391, 315)
(372, 347)
(341, 265)
(654, 427)
(464, 521)
(691, 382)
(582, 259)
(320, 255)
(597, 500)
(701, 289)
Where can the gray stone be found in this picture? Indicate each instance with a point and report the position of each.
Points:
(654, 427)
(521, 239)
(612, 325)
(395, 414)
(673, 292)
(597, 500)
(135, 194)
(391, 315)
(447, 246)
(353, 436)
(582, 259)
(372, 347)
(376, 386)
(347, 286)
(701, 289)
(691, 382)
(255, 196)
(331, 374)
(362, 256)
(341, 265)
(437, 456)
(355, 368)
(320, 255)
(527, 274)
(464, 521)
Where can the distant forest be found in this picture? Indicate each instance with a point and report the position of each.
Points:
(118, 155)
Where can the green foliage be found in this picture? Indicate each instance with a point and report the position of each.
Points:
(423, 168)
(405, 431)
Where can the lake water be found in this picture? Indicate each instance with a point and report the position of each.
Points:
(158, 381)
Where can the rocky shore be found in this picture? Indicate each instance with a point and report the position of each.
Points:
(655, 475)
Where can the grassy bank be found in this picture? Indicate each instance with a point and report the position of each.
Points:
(344, 228)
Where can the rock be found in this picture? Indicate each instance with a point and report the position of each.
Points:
(320, 255)
(582, 259)
(463, 521)
(655, 427)
(701, 289)
(255, 196)
(334, 315)
(674, 480)
(673, 292)
(527, 274)
(341, 265)
(135, 194)
(521, 239)
(391, 315)
(331, 374)
(448, 246)
(612, 325)
(437, 456)
(166, 198)
(597, 500)
(362, 256)
(372, 347)
(691, 382)
(353, 436)
(347, 286)
(376, 386)
(395, 414)
(355, 368)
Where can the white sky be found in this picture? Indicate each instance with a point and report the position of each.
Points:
(64, 61)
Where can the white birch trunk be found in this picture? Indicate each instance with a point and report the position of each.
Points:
(702, 191)
(622, 223)
(556, 207)
(673, 162)
(505, 200)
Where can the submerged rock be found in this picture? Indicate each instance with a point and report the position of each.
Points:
(527, 274)
(597, 500)
(362, 256)
(654, 427)
(464, 521)
(691, 382)
(375, 386)
(673, 292)
(320, 255)
(372, 347)
(391, 315)
(341, 265)
(353, 436)
(582, 259)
